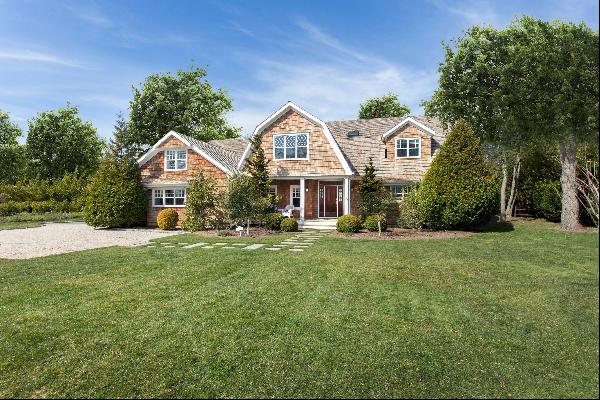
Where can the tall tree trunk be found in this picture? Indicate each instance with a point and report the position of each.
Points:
(514, 184)
(569, 217)
(248, 227)
(503, 191)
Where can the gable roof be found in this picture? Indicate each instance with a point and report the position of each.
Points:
(289, 106)
(224, 154)
(369, 144)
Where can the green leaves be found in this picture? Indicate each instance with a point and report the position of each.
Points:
(383, 107)
(59, 142)
(12, 154)
(184, 102)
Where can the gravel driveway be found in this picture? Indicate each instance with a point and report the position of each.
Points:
(58, 238)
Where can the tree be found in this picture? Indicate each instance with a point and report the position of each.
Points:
(203, 204)
(59, 142)
(118, 144)
(533, 81)
(12, 157)
(373, 198)
(244, 201)
(383, 107)
(459, 189)
(184, 102)
(258, 168)
(116, 197)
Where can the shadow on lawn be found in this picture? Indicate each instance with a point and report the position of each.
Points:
(495, 225)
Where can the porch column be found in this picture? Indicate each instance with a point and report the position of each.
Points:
(346, 196)
(302, 197)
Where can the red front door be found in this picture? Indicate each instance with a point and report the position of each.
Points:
(331, 201)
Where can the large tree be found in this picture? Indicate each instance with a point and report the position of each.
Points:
(11, 152)
(185, 102)
(383, 107)
(59, 142)
(533, 81)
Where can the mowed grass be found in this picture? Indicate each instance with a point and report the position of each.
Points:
(506, 314)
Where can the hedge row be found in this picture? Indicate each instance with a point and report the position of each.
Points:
(40, 207)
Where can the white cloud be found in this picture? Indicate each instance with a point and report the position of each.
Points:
(473, 12)
(331, 85)
(36, 56)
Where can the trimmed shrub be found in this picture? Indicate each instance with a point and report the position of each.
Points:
(9, 208)
(371, 223)
(40, 207)
(408, 212)
(192, 223)
(58, 206)
(167, 219)
(289, 225)
(348, 224)
(459, 189)
(273, 221)
(116, 196)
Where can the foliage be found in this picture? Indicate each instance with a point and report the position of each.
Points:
(116, 196)
(459, 189)
(373, 197)
(203, 205)
(409, 215)
(59, 142)
(372, 223)
(184, 102)
(258, 168)
(289, 225)
(12, 154)
(348, 224)
(534, 80)
(167, 219)
(118, 146)
(244, 201)
(545, 199)
(273, 221)
(383, 107)
(540, 183)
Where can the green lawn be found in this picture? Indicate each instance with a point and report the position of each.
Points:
(506, 314)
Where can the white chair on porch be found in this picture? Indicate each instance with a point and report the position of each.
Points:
(287, 211)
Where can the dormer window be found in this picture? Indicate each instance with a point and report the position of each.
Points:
(408, 147)
(292, 146)
(175, 160)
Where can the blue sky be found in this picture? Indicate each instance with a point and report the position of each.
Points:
(327, 56)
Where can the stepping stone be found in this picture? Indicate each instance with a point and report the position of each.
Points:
(182, 243)
(272, 248)
(168, 246)
(254, 246)
(191, 246)
(165, 243)
(228, 247)
(238, 244)
(296, 249)
(281, 245)
(208, 247)
(219, 244)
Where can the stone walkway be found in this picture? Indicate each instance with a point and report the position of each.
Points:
(297, 243)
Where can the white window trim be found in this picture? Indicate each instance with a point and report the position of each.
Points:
(176, 150)
(273, 187)
(407, 149)
(163, 189)
(389, 187)
(292, 187)
(284, 152)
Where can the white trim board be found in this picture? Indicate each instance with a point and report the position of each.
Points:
(405, 121)
(291, 106)
(156, 149)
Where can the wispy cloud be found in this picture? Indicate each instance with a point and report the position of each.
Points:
(236, 26)
(331, 86)
(473, 12)
(36, 56)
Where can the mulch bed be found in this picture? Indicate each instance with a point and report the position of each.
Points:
(403, 234)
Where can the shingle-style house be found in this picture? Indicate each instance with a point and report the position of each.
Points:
(314, 165)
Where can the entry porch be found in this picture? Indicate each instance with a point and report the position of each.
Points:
(313, 198)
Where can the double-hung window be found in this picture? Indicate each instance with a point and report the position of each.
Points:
(175, 160)
(408, 147)
(172, 197)
(291, 146)
(400, 191)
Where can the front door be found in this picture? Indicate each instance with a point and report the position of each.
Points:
(331, 199)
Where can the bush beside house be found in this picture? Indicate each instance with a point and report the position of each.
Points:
(116, 197)
(348, 224)
(289, 225)
(167, 219)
